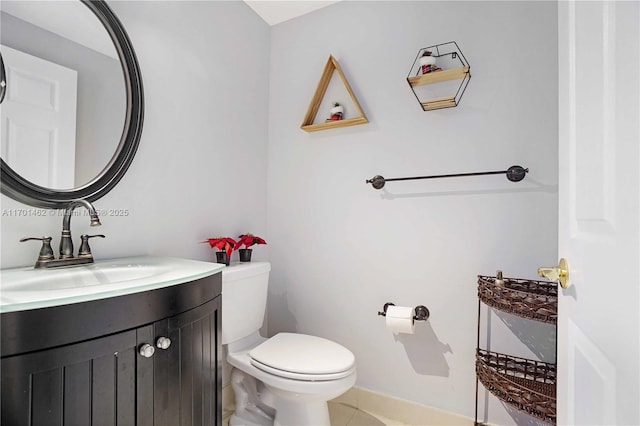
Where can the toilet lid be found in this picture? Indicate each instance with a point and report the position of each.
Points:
(301, 356)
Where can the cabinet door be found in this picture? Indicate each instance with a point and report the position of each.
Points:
(187, 376)
(88, 383)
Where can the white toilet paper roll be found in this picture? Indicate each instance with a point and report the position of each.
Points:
(399, 319)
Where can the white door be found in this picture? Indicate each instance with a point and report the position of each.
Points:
(38, 124)
(599, 218)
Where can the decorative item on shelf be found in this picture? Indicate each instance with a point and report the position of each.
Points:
(247, 240)
(336, 113)
(225, 246)
(428, 63)
(499, 281)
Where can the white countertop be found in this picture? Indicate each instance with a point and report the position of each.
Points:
(29, 288)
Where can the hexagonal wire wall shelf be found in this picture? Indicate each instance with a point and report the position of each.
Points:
(444, 64)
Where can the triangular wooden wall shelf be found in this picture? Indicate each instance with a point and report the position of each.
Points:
(307, 124)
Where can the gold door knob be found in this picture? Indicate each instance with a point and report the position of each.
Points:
(558, 273)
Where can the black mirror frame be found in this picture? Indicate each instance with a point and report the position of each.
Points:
(20, 189)
(3, 80)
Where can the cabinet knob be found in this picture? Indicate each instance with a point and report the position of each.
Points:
(163, 342)
(147, 350)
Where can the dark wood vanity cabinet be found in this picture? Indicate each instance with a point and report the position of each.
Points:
(88, 383)
(187, 379)
(49, 378)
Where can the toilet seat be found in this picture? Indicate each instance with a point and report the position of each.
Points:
(303, 357)
(301, 376)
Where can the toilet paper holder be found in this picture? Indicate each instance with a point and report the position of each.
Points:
(422, 313)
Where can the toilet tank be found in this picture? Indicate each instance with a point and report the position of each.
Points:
(244, 299)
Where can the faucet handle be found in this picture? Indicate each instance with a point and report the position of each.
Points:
(46, 252)
(85, 250)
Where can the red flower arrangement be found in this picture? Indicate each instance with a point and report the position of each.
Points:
(226, 244)
(248, 240)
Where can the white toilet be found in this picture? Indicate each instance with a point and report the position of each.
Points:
(284, 380)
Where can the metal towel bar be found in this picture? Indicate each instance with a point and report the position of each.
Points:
(514, 174)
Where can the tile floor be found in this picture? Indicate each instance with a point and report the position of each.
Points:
(346, 415)
(373, 409)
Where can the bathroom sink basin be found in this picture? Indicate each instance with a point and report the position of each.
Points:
(29, 288)
(30, 280)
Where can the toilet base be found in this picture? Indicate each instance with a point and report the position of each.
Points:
(293, 413)
(252, 408)
(258, 404)
(288, 413)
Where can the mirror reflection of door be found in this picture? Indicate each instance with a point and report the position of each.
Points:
(68, 33)
(38, 124)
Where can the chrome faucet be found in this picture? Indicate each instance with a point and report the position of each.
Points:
(46, 258)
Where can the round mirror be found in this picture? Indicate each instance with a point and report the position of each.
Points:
(73, 106)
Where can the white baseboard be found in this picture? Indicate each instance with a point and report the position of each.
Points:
(406, 412)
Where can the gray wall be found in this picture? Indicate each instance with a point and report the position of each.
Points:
(200, 170)
(341, 249)
(101, 100)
